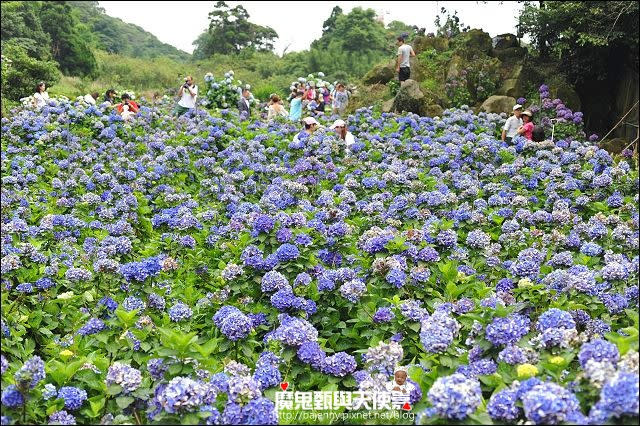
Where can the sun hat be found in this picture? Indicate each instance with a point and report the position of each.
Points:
(527, 112)
(400, 368)
(517, 106)
(338, 123)
(309, 121)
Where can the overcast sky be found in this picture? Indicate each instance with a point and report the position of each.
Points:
(299, 23)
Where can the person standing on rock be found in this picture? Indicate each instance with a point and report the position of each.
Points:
(513, 123)
(403, 66)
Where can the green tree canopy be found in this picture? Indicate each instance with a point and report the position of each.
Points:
(330, 23)
(230, 32)
(70, 42)
(22, 72)
(582, 34)
(21, 26)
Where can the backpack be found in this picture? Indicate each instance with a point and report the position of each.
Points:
(537, 134)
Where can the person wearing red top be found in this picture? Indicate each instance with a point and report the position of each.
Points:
(127, 107)
(527, 128)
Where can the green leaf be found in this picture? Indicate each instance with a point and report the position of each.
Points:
(124, 401)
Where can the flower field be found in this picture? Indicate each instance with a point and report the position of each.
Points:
(171, 270)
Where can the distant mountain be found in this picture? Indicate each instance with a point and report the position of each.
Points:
(116, 36)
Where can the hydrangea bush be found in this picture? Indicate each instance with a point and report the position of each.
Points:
(178, 270)
(223, 93)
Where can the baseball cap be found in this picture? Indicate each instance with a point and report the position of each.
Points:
(527, 112)
(337, 123)
(517, 106)
(309, 121)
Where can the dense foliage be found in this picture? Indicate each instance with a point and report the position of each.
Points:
(21, 72)
(179, 269)
(230, 32)
(224, 92)
(583, 35)
(116, 36)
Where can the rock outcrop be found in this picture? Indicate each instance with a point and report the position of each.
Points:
(380, 74)
(409, 98)
(498, 104)
(504, 41)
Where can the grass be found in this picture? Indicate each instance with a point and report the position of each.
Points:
(265, 72)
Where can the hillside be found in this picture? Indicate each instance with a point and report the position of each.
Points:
(113, 35)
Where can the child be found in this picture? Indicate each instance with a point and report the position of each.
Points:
(400, 389)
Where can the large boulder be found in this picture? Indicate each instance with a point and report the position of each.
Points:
(387, 106)
(498, 104)
(477, 41)
(432, 110)
(456, 64)
(504, 41)
(409, 98)
(510, 54)
(418, 73)
(513, 85)
(381, 74)
(423, 43)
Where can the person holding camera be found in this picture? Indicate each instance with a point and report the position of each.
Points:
(188, 94)
(127, 108)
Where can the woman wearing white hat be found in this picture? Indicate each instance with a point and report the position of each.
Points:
(340, 128)
(526, 129)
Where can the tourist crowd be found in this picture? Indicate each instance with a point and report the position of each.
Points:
(305, 96)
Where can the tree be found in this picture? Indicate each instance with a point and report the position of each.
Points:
(451, 26)
(356, 31)
(582, 35)
(70, 45)
(329, 24)
(22, 72)
(230, 32)
(21, 25)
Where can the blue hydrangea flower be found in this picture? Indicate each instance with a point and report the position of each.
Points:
(383, 315)
(62, 418)
(93, 326)
(31, 373)
(510, 329)
(502, 406)
(549, 403)
(598, 350)
(73, 397)
(11, 397)
(339, 365)
(455, 396)
(180, 312)
(127, 377)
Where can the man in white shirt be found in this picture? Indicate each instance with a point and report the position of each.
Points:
(513, 123)
(188, 95)
(403, 66)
